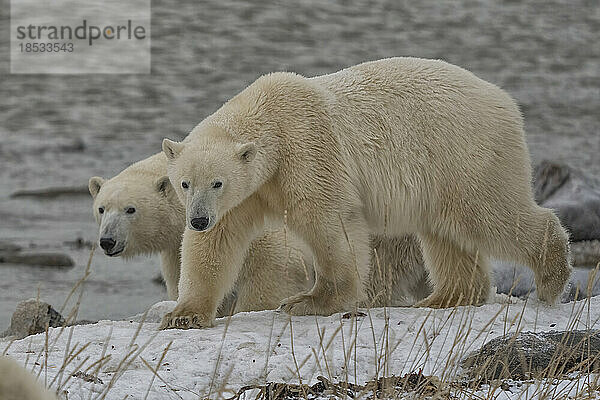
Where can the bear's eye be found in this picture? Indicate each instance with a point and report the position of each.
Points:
(101, 210)
(217, 184)
(130, 210)
(185, 185)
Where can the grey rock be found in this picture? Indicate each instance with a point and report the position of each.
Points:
(512, 279)
(37, 259)
(535, 355)
(7, 247)
(548, 177)
(75, 146)
(50, 193)
(33, 316)
(586, 253)
(518, 281)
(159, 280)
(573, 194)
(79, 243)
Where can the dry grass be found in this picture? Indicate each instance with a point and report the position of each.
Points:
(427, 351)
(446, 378)
(61, 385)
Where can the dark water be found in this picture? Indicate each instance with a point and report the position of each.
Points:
(60, 130)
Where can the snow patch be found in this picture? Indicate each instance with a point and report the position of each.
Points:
(257, 347)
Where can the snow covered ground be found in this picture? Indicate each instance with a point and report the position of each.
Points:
(259, 347)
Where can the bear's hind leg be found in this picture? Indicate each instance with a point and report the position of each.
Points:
(537, 239)
(459, 277)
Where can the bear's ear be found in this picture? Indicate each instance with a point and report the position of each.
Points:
(171, 148)
(163, 185)
(94, 185)
(246, 151)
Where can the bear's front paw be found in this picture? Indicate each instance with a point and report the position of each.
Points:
(191, 321)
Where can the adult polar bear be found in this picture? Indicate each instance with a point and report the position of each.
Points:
(395, 146)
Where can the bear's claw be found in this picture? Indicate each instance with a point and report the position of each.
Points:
(193, 321)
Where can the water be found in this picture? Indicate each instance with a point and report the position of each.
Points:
(60, 130)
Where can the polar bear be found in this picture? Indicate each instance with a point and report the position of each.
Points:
(18, 384)
(139, 214)
(390, 147)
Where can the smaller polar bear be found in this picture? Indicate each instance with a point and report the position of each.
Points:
(18, 384)
(139, 214)
(390, 147)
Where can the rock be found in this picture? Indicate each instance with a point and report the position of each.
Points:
(573, 194)
(159, 280)
(33, 316)
(79, 243)
(7, 247)
(49, 193)
(75, 146)
(11, 254)
(535, 355)
(87, 377)
(548, 177)
(518, 281)
(586, 253)
(82, 322)
(38, 259)
(581, 220)
(512, 279)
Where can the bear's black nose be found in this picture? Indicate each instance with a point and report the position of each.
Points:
(107, 244)
(199, 223)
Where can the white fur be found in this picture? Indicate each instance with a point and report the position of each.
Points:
(18, 384)
(389, 147)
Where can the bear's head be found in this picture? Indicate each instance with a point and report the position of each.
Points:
(211, 177)
(137, 213)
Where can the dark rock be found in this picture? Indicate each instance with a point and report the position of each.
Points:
(79, 243)
(87, 377)
(548, 177)
(50, 193)
(33, 316)
(7, 247)
(82, 322)
(573, 194)
(586, 253)
(159, 280)
(38, 259)
(535, 355)
(353, 315)
(75, 146)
